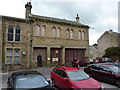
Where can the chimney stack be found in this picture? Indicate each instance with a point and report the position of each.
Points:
(77, 19)
(110, 31)
(28, 7)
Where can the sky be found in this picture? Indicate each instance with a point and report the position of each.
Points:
(100, 15)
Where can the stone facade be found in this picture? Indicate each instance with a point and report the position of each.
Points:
(108, 39)
(23, 44)
(54, 50)
(93, 51)
(1, 41)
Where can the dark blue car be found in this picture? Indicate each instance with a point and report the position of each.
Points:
(28, 79)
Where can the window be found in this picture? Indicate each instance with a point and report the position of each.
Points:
(63, 74)
(71, 34)
(43, 31)
(68, 34)
(17, 34)
(60, 73)
(9, 56)
(16, 56)
(54, 32)
(83, 35)
(79, 36)
(31, 81)
(37, 30)
(58, 33)
(78, 75)
(13, 33)
(12, 55)
(95, 67)
(10, 33)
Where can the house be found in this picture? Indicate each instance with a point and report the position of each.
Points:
(57, 41)
(93, 51)
(108, 39)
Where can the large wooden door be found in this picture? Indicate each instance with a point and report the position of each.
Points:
(55, 56)
(71, 54)
(42, 52)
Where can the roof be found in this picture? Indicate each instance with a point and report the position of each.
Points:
(45, 18)
(16, 19)
(68, 68)
(57, 20)
(108, 33)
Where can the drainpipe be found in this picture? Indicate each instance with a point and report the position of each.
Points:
(31, 40)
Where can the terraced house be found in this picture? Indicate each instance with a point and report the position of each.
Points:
(57, 41)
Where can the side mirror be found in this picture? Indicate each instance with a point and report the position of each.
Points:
(49, 81)
(66, 79)
(89, 75)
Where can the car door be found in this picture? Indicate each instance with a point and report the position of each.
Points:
(95, 71)
(63, 80)
(107, 74)
(56, 77)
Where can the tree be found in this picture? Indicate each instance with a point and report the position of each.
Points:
(112, 52)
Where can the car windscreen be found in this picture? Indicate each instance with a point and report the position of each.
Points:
(78, 75)
(115, 69)
(31, 81)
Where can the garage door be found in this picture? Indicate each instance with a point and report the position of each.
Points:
(55, 55)
(71, 54)
(42, 52)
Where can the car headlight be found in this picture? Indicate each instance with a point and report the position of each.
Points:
(102, 87)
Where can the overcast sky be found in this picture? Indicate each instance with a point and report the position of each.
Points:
(102, 15)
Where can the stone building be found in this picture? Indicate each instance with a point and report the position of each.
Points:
(108, 39)
(93, 51)
(57, 41)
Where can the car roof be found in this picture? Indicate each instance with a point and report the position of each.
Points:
(111, 65)
(25, 72)
(108, 65)
(67, 68)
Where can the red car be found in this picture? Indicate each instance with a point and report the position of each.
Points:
(78, 63)
(73, 78)
(104, 72)
(99, 60)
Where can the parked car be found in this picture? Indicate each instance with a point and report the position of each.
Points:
(92, 61)
(78, 63)
(104, 72)
(99, 60)
(73, 78)
(27, 79)
(104, 59)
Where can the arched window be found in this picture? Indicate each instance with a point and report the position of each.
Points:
(17, 33)
(83, 35)
(10, 33)
(54, 32)
(71, 34)
(68, 34)
(43, 31)
(58, 33)
(80, 35)
(37, 30)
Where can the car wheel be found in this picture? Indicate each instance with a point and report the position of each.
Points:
(53, 82)
(118, 83)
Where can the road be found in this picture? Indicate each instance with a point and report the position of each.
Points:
(46, 72)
